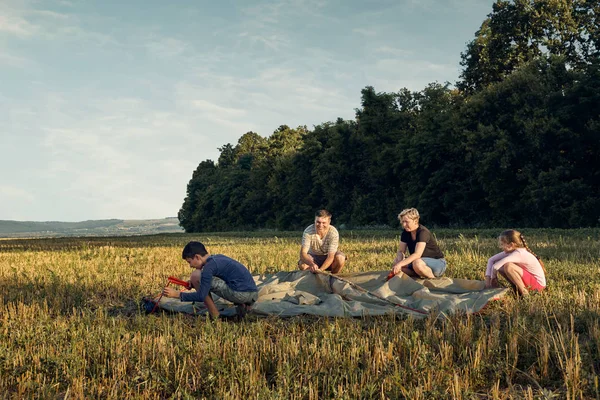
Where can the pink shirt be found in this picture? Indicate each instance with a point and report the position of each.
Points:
(522, 258)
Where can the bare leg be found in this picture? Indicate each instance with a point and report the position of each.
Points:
(338, 262)
(422, 269)
(210, 305)
(409, 272)
(195, 279)
(501, 272)
(514, 274)
(208, 301)
(302, 266)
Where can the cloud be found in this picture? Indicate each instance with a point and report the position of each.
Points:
(411, 66)
(16, 193)
(212, 108)
(424, 4)
(267, 14)
(101, 158)
(365, 32)
(16, 25)
(50, 14)
(166, 47)
(112, 156)
(393, 51)
(274, 41)
(203, 104)
(23, 20)
(98, 147)
(12, 60)
(268, 24)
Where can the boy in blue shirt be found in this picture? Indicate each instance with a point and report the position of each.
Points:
(218, 274)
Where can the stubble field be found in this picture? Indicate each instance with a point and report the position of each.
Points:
(71, 326)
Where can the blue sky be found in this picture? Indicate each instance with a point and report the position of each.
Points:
(107, 107)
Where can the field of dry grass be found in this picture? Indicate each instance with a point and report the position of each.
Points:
(71, 326)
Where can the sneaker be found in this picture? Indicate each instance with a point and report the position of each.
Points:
(149, 306)
(242, 310)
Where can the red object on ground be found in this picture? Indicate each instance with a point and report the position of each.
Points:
(390, 276)
(175, 281)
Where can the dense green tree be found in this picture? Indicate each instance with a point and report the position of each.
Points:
(196, 204)
(519, 31)
(532, 151)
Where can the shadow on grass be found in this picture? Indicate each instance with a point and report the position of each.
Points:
(61, 298)
(86, 243)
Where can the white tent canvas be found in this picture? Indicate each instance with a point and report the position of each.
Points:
(287, 294)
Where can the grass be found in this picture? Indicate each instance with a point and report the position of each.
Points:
(71, 326)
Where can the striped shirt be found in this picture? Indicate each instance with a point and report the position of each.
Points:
(314, 245)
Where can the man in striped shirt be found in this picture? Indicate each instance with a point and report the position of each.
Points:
(319, 249)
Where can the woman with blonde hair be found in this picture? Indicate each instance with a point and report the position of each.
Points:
(521, 267)
(426, 260)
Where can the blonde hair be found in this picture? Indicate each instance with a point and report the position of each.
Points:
(411, 213)
(515, 237)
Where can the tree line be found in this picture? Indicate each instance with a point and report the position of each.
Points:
(516, 142)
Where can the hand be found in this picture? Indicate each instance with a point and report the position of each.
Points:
(491, 282)
(488, 282)
(314, 268)
(170, 292)
(397, 269)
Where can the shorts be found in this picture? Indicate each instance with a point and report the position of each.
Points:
(220, 288)
(530, 281)
(319, 260)
(437, 265)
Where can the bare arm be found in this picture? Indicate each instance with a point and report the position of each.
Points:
(489, 271)
(514, 257)
(400, 253)
(307, 259)
(419, 248)
(170, 292)
(328, 261)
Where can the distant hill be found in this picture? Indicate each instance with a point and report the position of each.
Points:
(105, 227)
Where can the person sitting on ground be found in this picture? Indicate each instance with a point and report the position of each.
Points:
(218, 274)
(426, 260)
(521, 267)
(319, 251)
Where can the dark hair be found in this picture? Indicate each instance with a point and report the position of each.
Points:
(323, 213)
(193, 248)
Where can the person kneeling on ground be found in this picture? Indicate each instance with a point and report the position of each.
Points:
(218, 274)
(426, 260)
(521, 267)
(319, 251)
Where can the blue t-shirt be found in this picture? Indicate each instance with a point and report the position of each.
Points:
(234, 273)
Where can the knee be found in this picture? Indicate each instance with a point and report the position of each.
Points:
(341, 259)
(418, 265)
(302, 266)
(195, 277)
(510, 267)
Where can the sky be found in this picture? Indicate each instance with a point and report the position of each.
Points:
(107, 107)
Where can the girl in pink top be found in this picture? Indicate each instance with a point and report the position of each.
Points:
(521, 267)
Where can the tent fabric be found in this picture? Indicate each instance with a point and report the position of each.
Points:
(287, 294)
